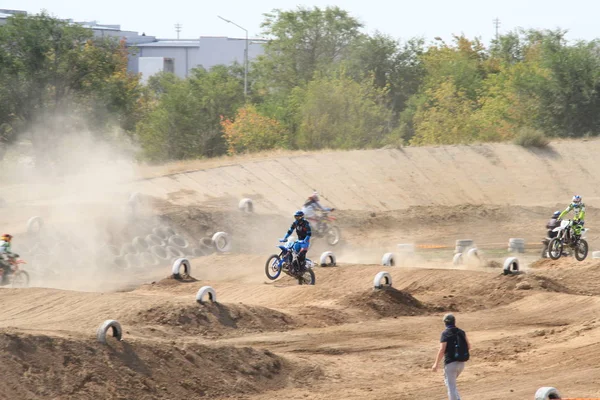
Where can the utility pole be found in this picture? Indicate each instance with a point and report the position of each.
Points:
(496, 22)
(178, 28)
(245, 55)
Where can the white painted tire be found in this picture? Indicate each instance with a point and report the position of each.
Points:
(128, 248)
(511, 265)
(596, 254)
(221, 242)
(181, 262)
(140, 244)
(457, 259)
(388, 260)
(246, 205)
(547, 393)
(327, 259)
(382, 276)
(473, 256)
(154, 240)
(132, 260)
(35, 225)
(178, 241)
(147, 258)
(160, 252)
(206, 290)
(174, 252)
(102, 330)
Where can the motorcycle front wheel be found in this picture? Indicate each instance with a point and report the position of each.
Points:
(555, 248)
(581, 250)
(307, 278)
(272, 267)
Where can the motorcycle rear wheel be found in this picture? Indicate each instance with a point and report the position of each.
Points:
(307, 278)
(555, 249)
(20, 279)
(581, 250)
(333, 235)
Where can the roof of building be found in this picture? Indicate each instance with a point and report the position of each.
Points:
(171, 43)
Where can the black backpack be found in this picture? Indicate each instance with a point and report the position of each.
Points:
(461, 350)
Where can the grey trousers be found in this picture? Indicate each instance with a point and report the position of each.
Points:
(451, 372)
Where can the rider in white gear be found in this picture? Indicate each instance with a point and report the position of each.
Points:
(311, 205)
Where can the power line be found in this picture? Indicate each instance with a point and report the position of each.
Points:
(496, 22)
(178, 28)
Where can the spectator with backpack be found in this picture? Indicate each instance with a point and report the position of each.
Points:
(454, 348)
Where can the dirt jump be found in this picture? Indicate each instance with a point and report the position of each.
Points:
(152, 285)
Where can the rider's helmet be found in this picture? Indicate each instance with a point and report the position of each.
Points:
(556, 214)
(314, 196)
(6, 237)
(298, 215)
(577, 199)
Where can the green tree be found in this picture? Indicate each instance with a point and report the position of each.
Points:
(50, 67)
(185, 123)
(303, 42)
(338, 112)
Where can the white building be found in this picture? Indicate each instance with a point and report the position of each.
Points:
(150, 55)
(181, 56)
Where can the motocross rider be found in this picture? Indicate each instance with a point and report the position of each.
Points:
(302, 228)
(579, 208)
(311, 205)
(6, 254)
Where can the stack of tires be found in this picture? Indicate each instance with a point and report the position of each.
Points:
(516, 245)
(53, 252)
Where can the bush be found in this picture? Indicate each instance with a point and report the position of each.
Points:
(530, 137)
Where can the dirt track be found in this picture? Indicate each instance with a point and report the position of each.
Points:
(339, 338)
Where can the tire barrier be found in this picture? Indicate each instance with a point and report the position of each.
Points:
(327, 259)
(457, 259)
(246, 205)
(197, 252)
(388, 260)
(596, 254)
(511, 266)
(178, 241)
(462, 245)
(35, 225)
(221, 242)
(128, 248)
(160, 252)
(547, 393)
(120, 263)
(382, 276)
(102, 330)
(163, 232)
(154, 240)
(174, 252)
(140, 244)
(132, 260)
(176, 269)
(516, 245)
(206, 290)
(147, 258)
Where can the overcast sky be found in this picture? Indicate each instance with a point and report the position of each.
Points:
(400, 19)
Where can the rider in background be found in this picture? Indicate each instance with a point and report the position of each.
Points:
(303, 232)
(553, 223)
(6, 254)
(311, 205)
(579, 208)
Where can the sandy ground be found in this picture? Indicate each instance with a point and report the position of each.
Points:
(338, 339)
